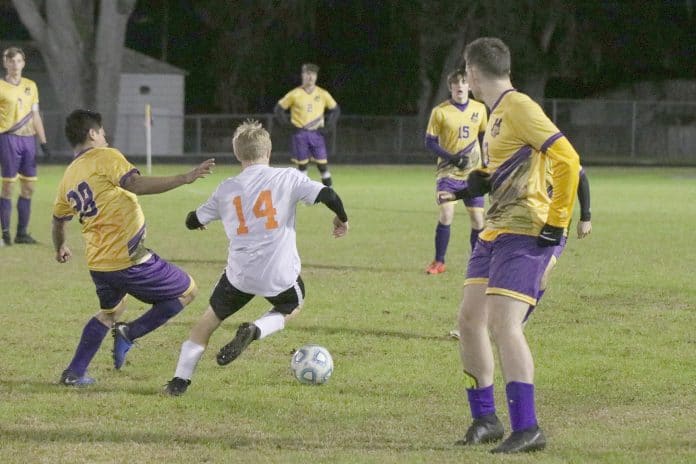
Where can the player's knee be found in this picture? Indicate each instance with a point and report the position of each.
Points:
(289, 310)
(108, 318)
(7, 189)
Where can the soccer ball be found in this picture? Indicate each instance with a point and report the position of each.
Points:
(312, 364)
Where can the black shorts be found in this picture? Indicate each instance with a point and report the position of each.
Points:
(227, 300)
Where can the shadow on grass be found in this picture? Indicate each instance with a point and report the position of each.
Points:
(102, 386)
(369, 332)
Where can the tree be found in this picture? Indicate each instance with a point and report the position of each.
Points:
(81, 42)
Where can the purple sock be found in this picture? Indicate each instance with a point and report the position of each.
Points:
(92, 336)
(442, 236)
(5, 213)
(481, 401)
(473, 237)
(23, 213)
(157, 315)
(520, 397)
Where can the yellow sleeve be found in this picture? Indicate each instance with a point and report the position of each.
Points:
(329, 101)
(61, 208)
(287, 101)
(116, 167)
(484, 120)
(434, 128)
(565, 171)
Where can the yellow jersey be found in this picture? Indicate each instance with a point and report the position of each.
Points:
(113, 225)
(17, 103)
(455, 127)
(307, 108)
(520, 147)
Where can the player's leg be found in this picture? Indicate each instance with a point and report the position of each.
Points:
(319, 155)
(300, 151)
(285, 305)
(474, 207)
(515, 275)
(442, 229)
(224, 301)
(557, 251)
(156, 281)
(476, 352)
(9, 166)
(27, 180)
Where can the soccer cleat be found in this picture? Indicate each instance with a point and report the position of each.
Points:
(122, 343)
(6, 240)
(485, 429)
(70, 379)
(23, 239)
(177, 386)
(454, 333)
(523, 441)
(436, 267)
(246, 333)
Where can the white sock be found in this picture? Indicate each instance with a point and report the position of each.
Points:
(269, 323)
(325, 175)
(188, 359)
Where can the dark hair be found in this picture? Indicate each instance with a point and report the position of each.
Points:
(12, 51)
(310, 67)
(455, 75)
(490, 55)
(78, 125)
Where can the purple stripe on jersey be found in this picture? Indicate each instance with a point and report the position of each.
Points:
(509, 166)
(63, 218)
(545, 146)
(468, 148)
(501, 97)
(314, 122)
(21, 123)
(459, 106)
(82, 152)
(135, 241)
(125, 177)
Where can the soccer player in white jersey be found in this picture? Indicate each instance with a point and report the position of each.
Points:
(257, 209)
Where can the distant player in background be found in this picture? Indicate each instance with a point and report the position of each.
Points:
(523, 227)
(100, 187)
(257, 210)
(453, 137)
(308, 105)
(20, 123)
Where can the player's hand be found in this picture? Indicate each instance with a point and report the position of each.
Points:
(460, 162)
(478, 183)
(63, 254)
(45, 150)
(340, 228)
(444, 197)
(202, 170)
(584, 228)
(550, 236)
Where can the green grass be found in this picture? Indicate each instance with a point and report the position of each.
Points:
(613, 339)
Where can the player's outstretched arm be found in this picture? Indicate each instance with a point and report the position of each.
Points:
(332, 201)
(192, 222)
(63, 253)
(147, 185)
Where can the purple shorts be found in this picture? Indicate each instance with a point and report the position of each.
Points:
(17, 156)
(308, 146)
(153, 281)
(447, 184)
(511, 265)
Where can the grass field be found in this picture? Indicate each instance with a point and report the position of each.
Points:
(614, 339)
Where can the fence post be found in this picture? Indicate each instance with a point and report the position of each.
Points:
(633, 128)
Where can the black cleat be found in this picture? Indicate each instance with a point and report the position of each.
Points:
(485, 429)
(23, 239)
(122, 344)
(70, 379)
(523, 441)
(246, 333)
(177, 386)
(6, 240)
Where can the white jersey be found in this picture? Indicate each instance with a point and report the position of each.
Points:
(257, 209)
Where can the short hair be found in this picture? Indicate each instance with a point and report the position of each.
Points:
(490, 55)
(251, 141)
(79, 123)
(12, 51)
(310, 67)
(455, 75)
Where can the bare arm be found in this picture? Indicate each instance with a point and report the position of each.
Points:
(39, 127)
(148, 185)
(63, 253)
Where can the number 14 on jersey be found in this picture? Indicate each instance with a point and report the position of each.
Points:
(263, 208)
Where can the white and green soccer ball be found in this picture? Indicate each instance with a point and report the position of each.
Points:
(312, 364)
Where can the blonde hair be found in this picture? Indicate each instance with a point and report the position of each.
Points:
(251, 141)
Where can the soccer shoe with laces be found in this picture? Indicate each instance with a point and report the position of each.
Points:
(436, 267)
(485, 429)
(246, 333)
(25, 239)
(523, 441)
(177, 386)
(70, 379)
(122, 343)
(6, 240)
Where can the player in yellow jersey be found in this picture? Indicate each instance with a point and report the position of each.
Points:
(523, 227)
(20, 123)
(453, 137)
(100, 187)
(308, 105)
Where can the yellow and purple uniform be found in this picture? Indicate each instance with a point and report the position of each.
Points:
(520, 146)
(17, 144)
(455, 129)
(307, 108)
